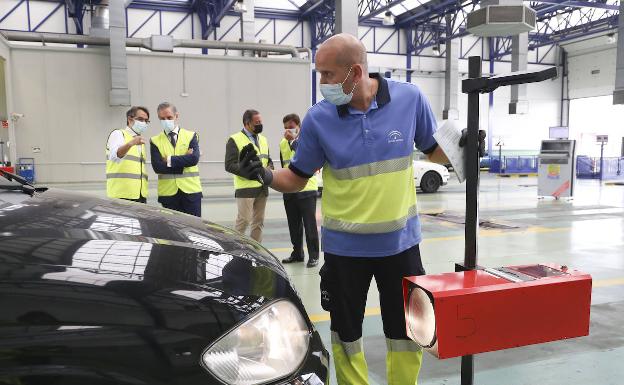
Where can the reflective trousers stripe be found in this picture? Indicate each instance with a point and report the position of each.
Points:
(350, 348)
(349, 361)
(178, 176)
(371, 169)
(369, 228)
(125, 175)
(402, 345)
(403, 362)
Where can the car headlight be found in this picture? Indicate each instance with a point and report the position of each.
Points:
(270, 345)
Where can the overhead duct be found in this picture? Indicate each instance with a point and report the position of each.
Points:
(100, 20)
(148, 43)
(119, 93)
(501, 18)
(248, 24)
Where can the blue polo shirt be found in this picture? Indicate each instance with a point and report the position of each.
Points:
(398, 118)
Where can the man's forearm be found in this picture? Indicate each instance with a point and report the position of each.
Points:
(438, 156)
(286, 181)
(123, 150)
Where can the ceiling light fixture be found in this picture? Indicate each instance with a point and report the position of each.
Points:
(388, 18)
(240, 6)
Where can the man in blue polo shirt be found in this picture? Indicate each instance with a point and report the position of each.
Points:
(363, 136)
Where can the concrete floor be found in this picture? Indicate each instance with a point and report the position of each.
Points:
(586, 233)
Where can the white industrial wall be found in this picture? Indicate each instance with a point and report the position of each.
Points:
(63, 93)
(5, 101)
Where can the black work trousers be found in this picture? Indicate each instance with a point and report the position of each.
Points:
(301, 214)
(344, 287)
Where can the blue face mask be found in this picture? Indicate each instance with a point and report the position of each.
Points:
(167, 125)
(334, 94)
(139, 127)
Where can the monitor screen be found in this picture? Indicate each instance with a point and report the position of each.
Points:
(556, 145)
(562, 132)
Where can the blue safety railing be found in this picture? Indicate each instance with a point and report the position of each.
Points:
(589, 168)
(520, 164)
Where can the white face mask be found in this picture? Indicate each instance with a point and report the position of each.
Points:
(293, 131)
(139, 127)
(167, 125)
(334, 94)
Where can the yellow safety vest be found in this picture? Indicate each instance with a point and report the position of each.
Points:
(188, 181)
(127, 179)
(287, 154)
(373, 198)
(241, 141)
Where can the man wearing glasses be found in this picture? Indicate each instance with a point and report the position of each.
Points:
(126, 176)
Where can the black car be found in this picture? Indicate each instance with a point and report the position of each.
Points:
(97, 291)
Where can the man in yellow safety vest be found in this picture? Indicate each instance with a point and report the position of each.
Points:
(300, 206)
(251, 195)
(126, 176)
(175, 154)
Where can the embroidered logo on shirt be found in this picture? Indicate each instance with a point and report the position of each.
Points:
(395, 137)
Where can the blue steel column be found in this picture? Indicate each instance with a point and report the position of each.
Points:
(314, 76)
(490, 129)
(408, 58)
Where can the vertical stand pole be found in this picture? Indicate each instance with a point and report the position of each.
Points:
(472, 196)
(602, 144)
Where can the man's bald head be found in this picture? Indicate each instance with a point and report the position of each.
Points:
(345, 49)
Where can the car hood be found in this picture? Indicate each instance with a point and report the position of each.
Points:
(73, 260)
(73, 215)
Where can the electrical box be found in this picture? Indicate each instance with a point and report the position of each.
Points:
(476, 311)
(556, 170)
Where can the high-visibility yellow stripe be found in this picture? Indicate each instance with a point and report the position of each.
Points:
(370, 228)
(372, 169)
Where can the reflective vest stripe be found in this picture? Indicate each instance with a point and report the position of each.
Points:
(125, 175)
(132, 158)
(178, 176)
(369, 228)
(371, 169)
(287, 154)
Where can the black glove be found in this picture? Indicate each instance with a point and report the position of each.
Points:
(464, 138)
(250, 166)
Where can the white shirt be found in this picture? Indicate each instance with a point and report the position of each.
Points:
(116, 140)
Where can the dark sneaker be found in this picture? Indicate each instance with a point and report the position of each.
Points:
(292, 259)
(312, 262)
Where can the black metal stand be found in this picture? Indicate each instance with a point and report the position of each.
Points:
(474, 86)
(472, 195)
